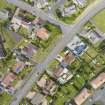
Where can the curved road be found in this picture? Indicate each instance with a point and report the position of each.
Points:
(40, 68)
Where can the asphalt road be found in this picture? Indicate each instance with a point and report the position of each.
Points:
(99, 96)
(40, 68)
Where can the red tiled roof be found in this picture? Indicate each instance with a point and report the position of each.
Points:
(58, 72)
(18, 66)
(97, 82)
(8, 79)
(69, 58)
(42, 33)
(81, 98)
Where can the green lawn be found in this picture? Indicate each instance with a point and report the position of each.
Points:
(24, 32)
(5, 99)
(47, 45)
(100, 20)
(6, 63)
(53, 64)
(4, 4)
(9, 40)
(86, 57)
(91, 52)
(75, 65)
(65, 93)
(24, 72)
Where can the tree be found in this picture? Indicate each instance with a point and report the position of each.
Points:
(101, 48)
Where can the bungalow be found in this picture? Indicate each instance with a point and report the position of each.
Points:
(98, 81)
(4, 14)
(82, 96)
(77, 46)
(47, 85)
(18, 67)
(39, 99)
(62, 75)
(92, 35)
(69, 11)
(81, 3)
(68, 59)
(29, 50)
(41, 33)
(19, 56)
(8, 79)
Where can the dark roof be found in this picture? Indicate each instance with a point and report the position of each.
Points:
(2, 49)
(37, 99)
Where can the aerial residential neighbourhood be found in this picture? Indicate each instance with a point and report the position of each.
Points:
(52, 52)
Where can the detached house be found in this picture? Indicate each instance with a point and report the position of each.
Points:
(29, 50)
(41, 33)
(62, 75)
(8, 79)
(98, 81)
(69, 11)
(77, 46)
(36, 98)
(47, 85)
(82, 96)
(68, 59)
(18, 67)
(81, 3)
(18, 22)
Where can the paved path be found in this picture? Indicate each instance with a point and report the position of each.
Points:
(40, 68)
(99, 96)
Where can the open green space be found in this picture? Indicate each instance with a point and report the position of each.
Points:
(86, 57)
(24, 32)
(5, 99)
(53, 64)
(24, 72)
(91, 52)
(99, 20)
(6, 63)
(5, 5)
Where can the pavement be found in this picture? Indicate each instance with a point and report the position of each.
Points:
(63, 41)
(99, 96)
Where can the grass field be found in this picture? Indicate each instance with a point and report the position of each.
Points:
(5, 99)
(4, 4)
(100, 20)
